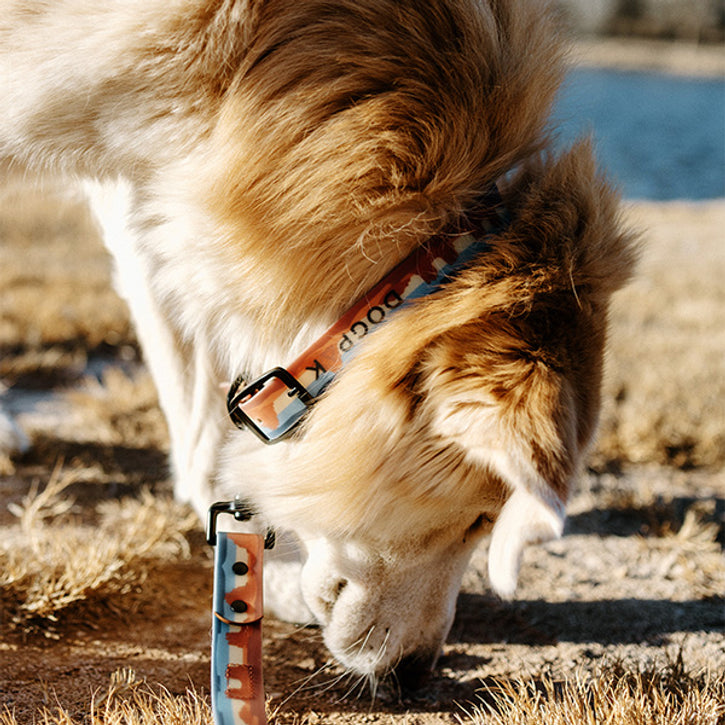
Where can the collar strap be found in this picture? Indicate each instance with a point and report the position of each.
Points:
(237, 689)
(276, 402)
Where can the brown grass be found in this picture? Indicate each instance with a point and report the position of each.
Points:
(51, 564)
(660, 695)
(663, 400)
(54, 275)
(129, 701)
(119, 409)
(617, 695)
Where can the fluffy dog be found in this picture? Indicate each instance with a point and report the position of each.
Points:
(259, 165)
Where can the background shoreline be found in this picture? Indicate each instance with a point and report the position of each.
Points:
(679, 58)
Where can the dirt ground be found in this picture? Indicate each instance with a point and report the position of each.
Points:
(637, 580)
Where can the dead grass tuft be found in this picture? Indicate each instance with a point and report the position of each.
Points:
(659, 695)
(667, 695)
(129, 701)
(52, 565)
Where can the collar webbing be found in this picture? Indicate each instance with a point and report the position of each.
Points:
(273, 404)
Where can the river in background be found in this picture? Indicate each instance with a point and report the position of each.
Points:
(658, 136)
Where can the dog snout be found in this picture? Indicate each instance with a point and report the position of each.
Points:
(413, 671)
(324, 600)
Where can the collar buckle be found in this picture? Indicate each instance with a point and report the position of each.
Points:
(256, 407)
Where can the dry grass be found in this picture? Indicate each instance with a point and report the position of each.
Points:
(129, 701)
(666, 695)
(52, 565)
(118, 409)
(54, 275)
(666, 384)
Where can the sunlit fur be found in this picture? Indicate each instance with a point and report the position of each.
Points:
(260, 165)
(505, 360)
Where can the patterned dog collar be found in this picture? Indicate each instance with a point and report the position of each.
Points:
(276, 402)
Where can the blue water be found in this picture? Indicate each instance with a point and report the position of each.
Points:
(660, 137)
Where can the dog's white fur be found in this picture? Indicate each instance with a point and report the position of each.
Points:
(172, 109)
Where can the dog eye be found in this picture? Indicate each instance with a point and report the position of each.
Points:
(481, 521)
(478, 524)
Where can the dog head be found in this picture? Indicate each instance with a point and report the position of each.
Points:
(468, 412)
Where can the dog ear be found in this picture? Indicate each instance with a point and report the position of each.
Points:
(534, 512)
(528, 439)
(526, 518)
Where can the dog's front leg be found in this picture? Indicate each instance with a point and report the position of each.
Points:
(187, 382)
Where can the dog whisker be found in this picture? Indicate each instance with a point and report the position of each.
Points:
(303, 626)
(360, 679)
(373, 683)
(307, 684)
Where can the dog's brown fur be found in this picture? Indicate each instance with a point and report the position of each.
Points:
(276, 159)
(521, 331)
(351, 136)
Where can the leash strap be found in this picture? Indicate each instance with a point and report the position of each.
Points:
(275, 403)
(237, 689)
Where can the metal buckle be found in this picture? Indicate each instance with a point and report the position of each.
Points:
(238, 396)
(242, 511)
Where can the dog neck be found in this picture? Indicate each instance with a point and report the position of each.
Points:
(273, 405)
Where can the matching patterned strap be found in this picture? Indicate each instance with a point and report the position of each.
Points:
(237, 689)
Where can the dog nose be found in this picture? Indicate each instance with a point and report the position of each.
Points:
(413, 671)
